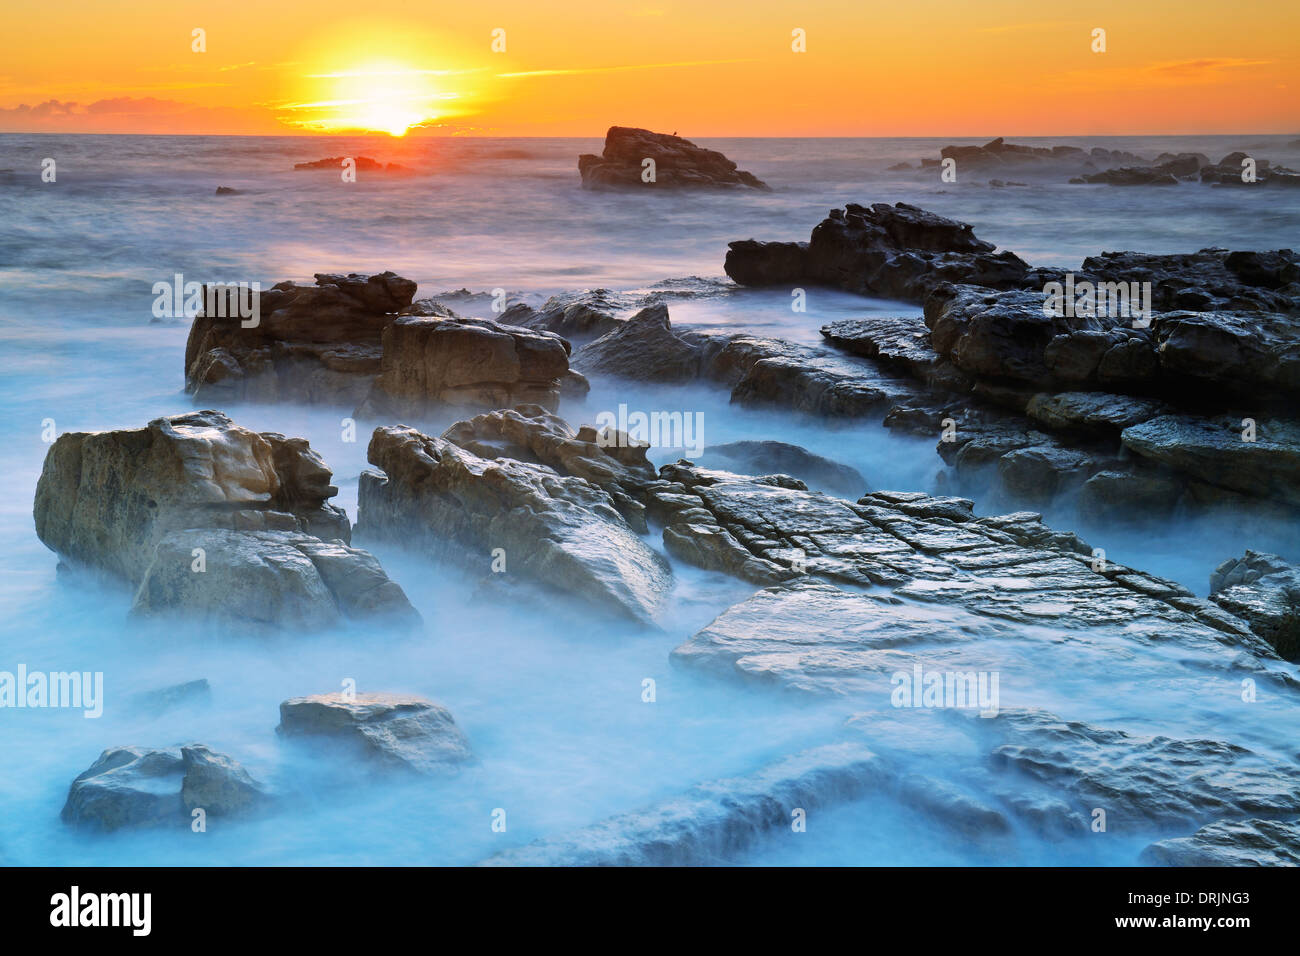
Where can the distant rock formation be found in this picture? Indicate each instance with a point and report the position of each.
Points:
(364, 164)
(677, 163)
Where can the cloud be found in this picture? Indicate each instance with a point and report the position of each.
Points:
(41, 110)
(1198, 69)
(136, 106)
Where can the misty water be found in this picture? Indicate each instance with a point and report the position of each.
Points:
(548, 692)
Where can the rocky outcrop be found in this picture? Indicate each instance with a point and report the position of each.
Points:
(364, 164)
(359, 340)
(644, 348)
(1264, 590)
(318, 343)
(560, 530)
(131, 787)
(678, 163)
(458, 362)
(770, 457)
(393, 731)
(896, 252)
(1231, 170)
(1231, 843)
(203, 516)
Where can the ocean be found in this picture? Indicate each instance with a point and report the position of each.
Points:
(552, 709)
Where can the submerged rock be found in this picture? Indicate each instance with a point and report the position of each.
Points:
(201, 515)
(678, 163)
(1231, 843)
(194, 692)
(393, 730)
(768, 457)
(129, 787)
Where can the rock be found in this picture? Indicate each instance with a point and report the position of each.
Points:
(1230, 171)
(1129, 496)
(713, 822)
(195, 692)
(228, 191)
(105, 499)
(1038, 473)
(767, 457)
(129, 787)
(899, 252)
(1264, 590)
(560, 530)
(1243, 353)
(1230, 843)
(1208, 280)
(136, 503)
(579, 317)
(1140, 779)
(902, 343)
(1136, 176)
(1099, 413)
(645, 348)
(364, 164)
(318, 343)
(1214, 451)
(392, 730)
(678, 163)
(460, 362)
(277, 579)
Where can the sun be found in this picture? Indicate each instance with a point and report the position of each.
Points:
(375, 97)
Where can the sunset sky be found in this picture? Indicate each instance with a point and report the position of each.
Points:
(928, 68)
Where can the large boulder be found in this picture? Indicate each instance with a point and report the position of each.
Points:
(105, 499)
(678, 163)
(204, 517)
(644, 348)
(560, 530)
(130, 787)
(392, 730)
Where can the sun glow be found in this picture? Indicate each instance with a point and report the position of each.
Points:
(373, 98)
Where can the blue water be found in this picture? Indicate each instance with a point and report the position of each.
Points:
(550, 701)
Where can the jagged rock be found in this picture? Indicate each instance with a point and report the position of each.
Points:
(278, 579)
(1214, 451)
(644, 348)
(902, 343)
(1135, 176)
(462, 362)
(1248, 353)
(561, 530)
(1264, 590)
(318, 343)
(130, 787)
(678, 163)
(136, 503)
(579, 317)
(899, 252)
(1229, 172)
(768, 457)
(1230, 843)
(1208, 280)
(393, 730)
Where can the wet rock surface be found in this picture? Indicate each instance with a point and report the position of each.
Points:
(395, 731)
(208, 518)
(560, 530)
(1231, 843)
(130, 787)
(1264, 590)
(678, 163)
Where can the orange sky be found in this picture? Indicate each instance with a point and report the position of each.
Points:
(713, 68)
